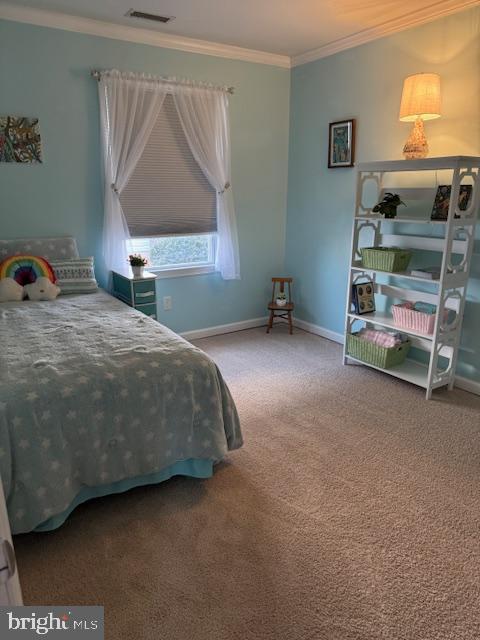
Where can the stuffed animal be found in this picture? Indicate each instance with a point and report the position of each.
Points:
(42, 289)
(10, 291)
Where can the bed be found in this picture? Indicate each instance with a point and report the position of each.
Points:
(97, 398)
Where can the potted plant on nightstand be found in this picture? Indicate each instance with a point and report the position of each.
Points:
(137, 263)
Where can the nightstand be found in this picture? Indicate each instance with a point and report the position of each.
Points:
(138, 292)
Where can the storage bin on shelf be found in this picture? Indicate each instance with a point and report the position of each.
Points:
(405, 317)
(385, 258)
(375, 354)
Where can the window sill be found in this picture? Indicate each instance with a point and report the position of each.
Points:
(179, 272)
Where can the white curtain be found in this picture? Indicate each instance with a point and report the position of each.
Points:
(203, 113)
(129, 107)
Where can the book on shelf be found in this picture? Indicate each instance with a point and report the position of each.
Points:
(428, 273)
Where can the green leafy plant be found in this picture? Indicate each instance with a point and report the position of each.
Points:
(136, 260)
(388, 206)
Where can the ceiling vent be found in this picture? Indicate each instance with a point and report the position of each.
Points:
(133, 13)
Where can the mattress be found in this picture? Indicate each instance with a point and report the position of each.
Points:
(95, 398)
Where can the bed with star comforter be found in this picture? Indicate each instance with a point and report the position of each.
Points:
(96, 398)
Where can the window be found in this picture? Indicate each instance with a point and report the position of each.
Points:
(169, 205)
(193, 252)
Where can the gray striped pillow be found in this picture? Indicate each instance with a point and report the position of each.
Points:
(75, 276)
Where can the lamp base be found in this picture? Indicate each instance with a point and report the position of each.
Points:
(416, 145)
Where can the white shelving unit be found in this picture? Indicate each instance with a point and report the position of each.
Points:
(453, 239)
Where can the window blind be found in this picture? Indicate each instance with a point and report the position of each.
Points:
(167, 193)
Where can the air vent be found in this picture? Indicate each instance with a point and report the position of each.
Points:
(133, 13)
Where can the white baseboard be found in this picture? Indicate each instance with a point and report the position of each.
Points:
(259, 322)
(318, 331)
(467, 385)
(224, 328)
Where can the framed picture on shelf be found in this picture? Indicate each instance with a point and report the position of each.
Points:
(363, 297)
(341, 144)
(442, 200)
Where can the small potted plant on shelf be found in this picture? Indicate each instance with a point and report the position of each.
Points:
(137, 263)
(388, 206)
(281, 299)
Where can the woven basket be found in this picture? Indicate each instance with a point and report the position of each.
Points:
(383, 357)
(408, 318)
(385, 258)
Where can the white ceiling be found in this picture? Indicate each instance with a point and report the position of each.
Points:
(283, 27)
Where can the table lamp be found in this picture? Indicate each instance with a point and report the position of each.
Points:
(420, 101)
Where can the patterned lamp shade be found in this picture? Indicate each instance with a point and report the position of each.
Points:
(421, 97)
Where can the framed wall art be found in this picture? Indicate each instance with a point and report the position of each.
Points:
(341, 144)
(20, 140)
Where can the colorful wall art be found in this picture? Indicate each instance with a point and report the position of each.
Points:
(20, 140)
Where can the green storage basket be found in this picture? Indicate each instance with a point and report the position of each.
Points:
(385, 258)
(383, 357)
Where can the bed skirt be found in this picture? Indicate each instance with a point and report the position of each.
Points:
(194, 468)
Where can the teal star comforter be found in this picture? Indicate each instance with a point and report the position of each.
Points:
(96, 398)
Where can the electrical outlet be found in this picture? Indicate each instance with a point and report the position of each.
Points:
(167, 303)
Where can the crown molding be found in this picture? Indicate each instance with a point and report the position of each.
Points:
(55, 20)
(427, 14)
(76, 24)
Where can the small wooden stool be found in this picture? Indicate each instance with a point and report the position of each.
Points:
(286, 309)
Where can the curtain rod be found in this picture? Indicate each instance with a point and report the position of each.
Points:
(95, 73)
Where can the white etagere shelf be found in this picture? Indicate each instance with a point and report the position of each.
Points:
(455, 246)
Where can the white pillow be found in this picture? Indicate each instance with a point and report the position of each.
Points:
(75, 276)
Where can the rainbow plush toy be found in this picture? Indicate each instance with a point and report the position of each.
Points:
(26, 269)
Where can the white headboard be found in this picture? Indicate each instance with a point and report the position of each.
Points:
(48, 248)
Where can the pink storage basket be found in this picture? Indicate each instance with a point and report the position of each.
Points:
(406, 317)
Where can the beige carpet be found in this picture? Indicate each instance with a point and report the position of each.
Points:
(352, 512)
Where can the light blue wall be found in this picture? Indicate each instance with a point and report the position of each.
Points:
(45, 73)
(366, 83)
